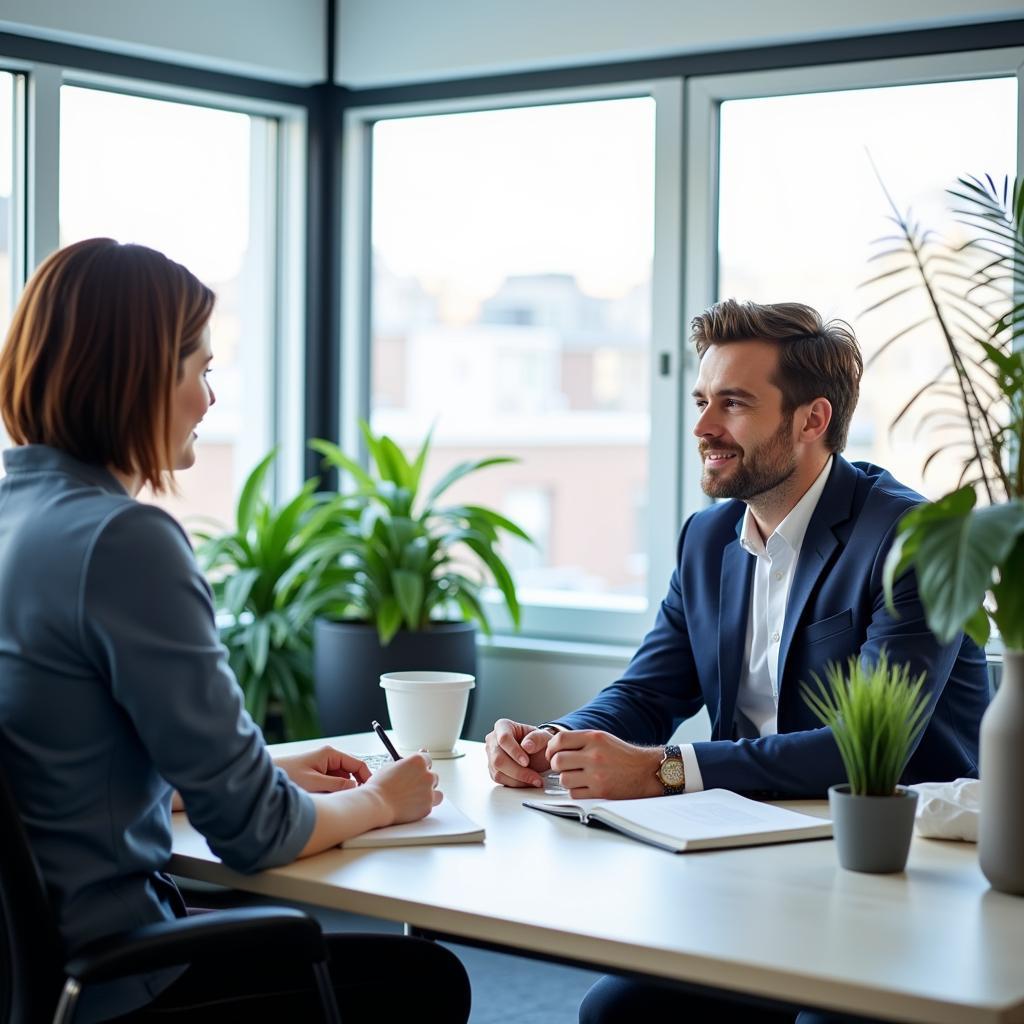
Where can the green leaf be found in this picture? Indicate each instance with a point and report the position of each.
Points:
(400, 472)
(287, 519)
(900, 557)
(252, 491)
(978, 628)
(958, 550)
(304, 609)
(391, 464)
(389, 620)
(461, 470)
(876, 714)
(258, 645)
(408, 588)
(502, 577)
(256, 696)
(237, 589)
(472, 608)
(416, 470)
(415, 556)
(1009, 598)
(484, 521)
(334, 456)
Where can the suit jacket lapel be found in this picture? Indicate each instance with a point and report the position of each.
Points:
(819, 543)
(733, 610)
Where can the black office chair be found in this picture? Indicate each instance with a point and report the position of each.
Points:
(36, 985)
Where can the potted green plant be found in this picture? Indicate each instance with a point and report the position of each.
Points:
(414, 569)
(969, 557)
(876, 715)
(271, 575)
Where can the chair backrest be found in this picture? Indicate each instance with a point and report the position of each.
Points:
(30, 947)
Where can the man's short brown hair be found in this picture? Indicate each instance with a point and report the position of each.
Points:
(94, 351)
(816, 359)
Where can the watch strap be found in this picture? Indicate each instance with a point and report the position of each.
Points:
(672, 753)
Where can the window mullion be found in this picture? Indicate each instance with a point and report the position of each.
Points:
(43, 164)
(667, 442)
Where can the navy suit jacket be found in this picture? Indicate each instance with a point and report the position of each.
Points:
(694, 655)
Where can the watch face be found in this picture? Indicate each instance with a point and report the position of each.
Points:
(671, 772)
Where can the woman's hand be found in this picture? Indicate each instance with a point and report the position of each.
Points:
(325, 770)
(403, 791)
(407, 789)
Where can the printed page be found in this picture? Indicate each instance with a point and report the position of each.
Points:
(711, 814)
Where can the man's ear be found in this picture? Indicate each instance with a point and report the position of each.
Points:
(813, 420)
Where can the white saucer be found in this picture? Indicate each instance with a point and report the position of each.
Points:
(437, 755)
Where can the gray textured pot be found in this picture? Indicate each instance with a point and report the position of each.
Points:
(348, 662)
(872, 833)
(1001, 825)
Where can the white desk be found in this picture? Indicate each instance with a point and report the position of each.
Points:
(784, 922)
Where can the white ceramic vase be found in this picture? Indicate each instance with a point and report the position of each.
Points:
(1001, 825)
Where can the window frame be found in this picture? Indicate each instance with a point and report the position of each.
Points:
(705, 94)
(580, 621)
(277, 219)
(19, 180)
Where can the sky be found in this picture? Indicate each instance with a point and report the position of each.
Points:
(142, 169)
(475, 197)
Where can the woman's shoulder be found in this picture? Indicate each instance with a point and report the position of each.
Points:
(140, 536)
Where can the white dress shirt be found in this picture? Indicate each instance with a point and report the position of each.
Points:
(757, 700)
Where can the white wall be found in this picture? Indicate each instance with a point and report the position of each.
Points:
(387, 42)
(280, 40)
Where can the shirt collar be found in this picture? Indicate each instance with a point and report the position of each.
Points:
(41, 458)
(793, 527)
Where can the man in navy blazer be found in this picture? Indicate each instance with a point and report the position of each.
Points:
(768, 589)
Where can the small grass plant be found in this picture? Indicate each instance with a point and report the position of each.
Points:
(876, 714)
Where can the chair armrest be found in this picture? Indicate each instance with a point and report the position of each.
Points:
(291, 934)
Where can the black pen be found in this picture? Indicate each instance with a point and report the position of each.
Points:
(388, 746)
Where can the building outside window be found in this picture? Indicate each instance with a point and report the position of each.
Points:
(511, 255)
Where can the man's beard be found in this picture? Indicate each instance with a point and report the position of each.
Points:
(762, 467)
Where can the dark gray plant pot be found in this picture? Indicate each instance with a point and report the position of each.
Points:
(872, 833)
(348, 662)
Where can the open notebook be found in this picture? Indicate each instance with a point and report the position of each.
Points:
(445, 824)
(693, 821)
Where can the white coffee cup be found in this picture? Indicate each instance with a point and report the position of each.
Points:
(427, 709)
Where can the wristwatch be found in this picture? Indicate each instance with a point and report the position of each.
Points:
(671, 773)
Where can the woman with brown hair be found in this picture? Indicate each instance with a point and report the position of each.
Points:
(115, 692)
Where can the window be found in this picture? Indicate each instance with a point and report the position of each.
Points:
(512, 306)
(800, 209)
(197, 183)
(9, 233)
(468, 304)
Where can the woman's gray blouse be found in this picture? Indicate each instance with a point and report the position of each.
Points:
(114, 689)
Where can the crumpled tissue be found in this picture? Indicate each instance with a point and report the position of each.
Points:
(948, 810)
